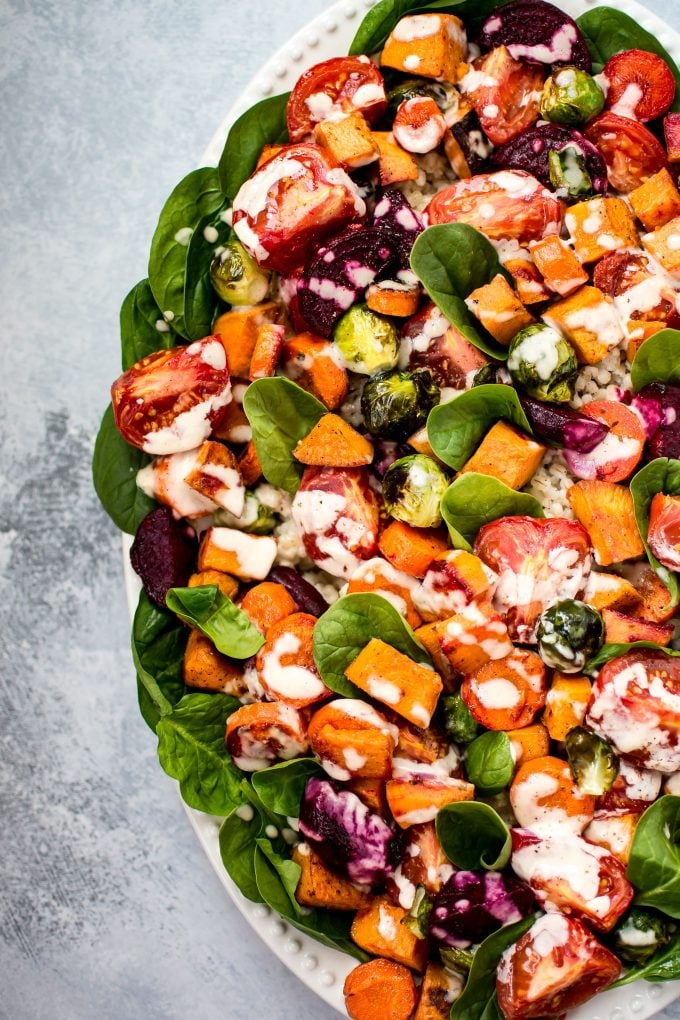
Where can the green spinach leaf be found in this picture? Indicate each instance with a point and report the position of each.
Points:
(473, 836)
(489, 763)
(348, 626)
(216, 616)
(613, 651)
(664, 965)
(654, 863)
(660, 475)
(191, 749)
(281, 787)
(451, 260)
(478, 996)
(239, 833)
(200, 299)
(608, 31)
(263, 124)
(158, 643)
(114, 473)
(657, 360)
(382, 18)
(280, 414)
(455, 429)
(473, 500)
(139, 332)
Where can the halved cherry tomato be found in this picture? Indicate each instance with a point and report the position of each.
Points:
(617, 272)
(423, 862)
(544, 791)
(506, 693)
(340, 85)
(555, 966)
(640, 85)
(291, 203)
(419, 125)
(507, 204)
(663, 534)
(616, 456)
(631, 152)
(507, 96)
(170, 401)
(633, 790)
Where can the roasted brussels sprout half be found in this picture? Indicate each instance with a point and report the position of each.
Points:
(418, 917)
(568, 174)
(256, 519)
(412, 490)
(459, 722)
(396, 404)
(640, 933)
(236, 276)
(542, 363)
(486, 374)
(569, 633)
(444, 95)
(459, 960)
(367, 342)
(571, 97)
(592, 761)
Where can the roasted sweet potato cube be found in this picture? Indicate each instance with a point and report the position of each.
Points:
(656, 201)
(566, 704)
(310, 362)
(609, 591)
(671, 130)
(249, 464)
(318, 886)
(350, 746)
(349, 141)
(392, 678)
(528, 281)
(371, 792)
(638, 331)
(334, 443)
(416, 800)
(379, 576)
(216, 476)
(421, 444)
(507, 454)
(620, 628)
(395, 165)
(472, 638)
(429, 45)
(558, 265)
(234, 427)
(452, 581)
(378, 929)
(267, 351)
(653, 602)
(605, 510)
(206, 670)
(248, 557)
(599, 226)
(429, 635)
(412, 549)
(416, 744)
(589, 321)
(268, 603)
(438, 992)
(529, 743)
(499, 309)
(228, 585)
(614, 830)
(390, 297)
(238, 328)
(664, 245)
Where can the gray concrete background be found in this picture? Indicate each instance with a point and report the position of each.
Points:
(108, 908)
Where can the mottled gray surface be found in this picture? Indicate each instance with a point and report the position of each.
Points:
(108, 907)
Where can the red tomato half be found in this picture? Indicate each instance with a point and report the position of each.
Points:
(617, 455)
(640, 85)
(663, 534)
(507, 96)
(554, 967)
(291, 203)
(171, 401)
(631, 152)
(340, 85)
(507, 204)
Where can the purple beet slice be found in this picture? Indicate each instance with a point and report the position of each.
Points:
(308, 599)
(529, 151)
(163, 554)
(340, 272)
(560, 424)
(394, 214)
(537, 32)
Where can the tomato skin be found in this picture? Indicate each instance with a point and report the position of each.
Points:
(506, 204)
(291, 203)
(626, 440)
(513, 99)
(663, 534)
(649, 73)
(631, 152)
(555, 966)
(341, 79)
(150, 399)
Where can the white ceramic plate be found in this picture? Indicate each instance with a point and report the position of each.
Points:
(322, 969)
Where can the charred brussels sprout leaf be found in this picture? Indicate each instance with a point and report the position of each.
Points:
(654, 864)
(444, 94)
(474, 836)
(216, 616)
(418, 916)
(568, 173)
(395, 404)
(571, 97)
(639, 935)
(592, 761)
(459, 960)
(569, 634)
(368, 342)
(256, 519)
(412, 490)
(542, 363)
(489, 763)
(459, 723)
(236, 277)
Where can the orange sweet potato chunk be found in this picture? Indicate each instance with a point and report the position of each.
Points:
(605, 510)
(334, 443)
(405, 686)
(507, 454)
(238, 329)
(378, 929)
(318, 886)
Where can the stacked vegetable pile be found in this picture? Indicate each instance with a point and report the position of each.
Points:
(341, 379)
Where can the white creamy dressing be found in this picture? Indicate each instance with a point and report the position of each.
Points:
(353, 759)
(419, 139)
(384, 690)
(610, 830)
(417, 26)
(533, 808)
(370, 94)
(319, 513)
(540, 349)
(560, 48)
(356, 709)
(256, 752)
(600, 319)
(432, 326)
(387, 928)
(405, 888)
(627, 104)
(291, 681)
(563, 857)
(164, 480)
(231, 494)
(190, 428)
(255, 553)
(461, 631)
(496, 693)
(641, 784)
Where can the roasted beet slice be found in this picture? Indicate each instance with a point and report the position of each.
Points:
(471, 905)
(529, 151)
(163, 554)
(308, 599)
(537, 32)
(341, 271)
(473, 143)
(393, 214)
(560, 424)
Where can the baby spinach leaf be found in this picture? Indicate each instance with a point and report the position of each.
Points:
(238, 842)
(664, 965)
(139, 333)
(196, 197)
(114, 473)
(654, 863)
(348, 626)
(657, 360)
(455, 429)
(473, 500)
(478, 996)
(200, 299)
(191, 749)
(608, 31)
(158, 643)
(280, 413)
(489, 763)
(451, 260)
(613, 651)
(281, 787)
(473, 836)
(263, 124)
(660, 475)
(216, 616)
(382, 18)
